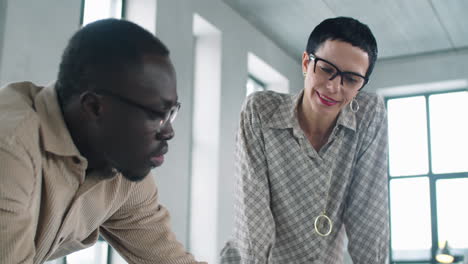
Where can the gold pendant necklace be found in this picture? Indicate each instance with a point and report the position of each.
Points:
(323, 219)
(328, 220)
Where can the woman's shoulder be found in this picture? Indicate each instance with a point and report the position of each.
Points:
(260, 107)
(265, 102)
(370, 100)
(371, 109)
(370, 103)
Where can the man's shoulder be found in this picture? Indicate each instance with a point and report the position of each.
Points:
(17, 112)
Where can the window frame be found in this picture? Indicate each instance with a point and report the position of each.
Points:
(432, 177)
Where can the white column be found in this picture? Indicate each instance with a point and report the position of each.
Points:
(205, 140)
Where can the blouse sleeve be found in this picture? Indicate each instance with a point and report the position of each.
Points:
(366, 213)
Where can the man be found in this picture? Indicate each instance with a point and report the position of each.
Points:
(312, 166)
(75, 157)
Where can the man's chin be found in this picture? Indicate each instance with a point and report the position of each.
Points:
(135, 176)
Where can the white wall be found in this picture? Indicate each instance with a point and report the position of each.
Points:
(422, 69)
(34, 37)
(3, 7)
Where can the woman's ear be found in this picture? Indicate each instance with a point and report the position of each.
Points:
(305, 62)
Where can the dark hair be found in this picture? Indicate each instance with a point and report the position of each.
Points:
(346, 29)
(102, 47)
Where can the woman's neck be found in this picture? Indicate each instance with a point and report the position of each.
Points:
(315, 126)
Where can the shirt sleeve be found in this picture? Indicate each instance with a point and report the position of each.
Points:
(254, 231)
(140, 230)
(17, 227)
(366, 213)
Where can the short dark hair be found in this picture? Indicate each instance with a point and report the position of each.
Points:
(102, 47)
(346, 29)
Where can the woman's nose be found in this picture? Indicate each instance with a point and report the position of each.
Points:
(334, 83)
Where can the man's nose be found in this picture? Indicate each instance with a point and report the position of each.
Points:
(166, 132)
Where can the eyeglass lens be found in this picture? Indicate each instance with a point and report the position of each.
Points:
(170, 115)
(329, 71)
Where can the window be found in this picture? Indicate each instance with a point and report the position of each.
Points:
(93, 10)
(428, 175)
(97, 254)
(254, 85)
(262, 76)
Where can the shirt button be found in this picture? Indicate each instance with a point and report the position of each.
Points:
(76, 160)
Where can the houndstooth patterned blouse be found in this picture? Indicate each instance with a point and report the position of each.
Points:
(283, 183)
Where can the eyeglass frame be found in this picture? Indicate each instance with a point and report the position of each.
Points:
(168, 117)
(338, 71)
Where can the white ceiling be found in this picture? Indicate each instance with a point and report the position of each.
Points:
(402, 27)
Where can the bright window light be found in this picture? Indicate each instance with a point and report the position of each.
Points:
(254, 86)
(411, 198)
(452, 216)
(101, 9)
(407, 132)
(410, 217)
(449, 132)
(97, 254)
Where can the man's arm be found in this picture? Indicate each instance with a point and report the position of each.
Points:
(254, 232)
(140, 229)
(17, 227)
(366, 213)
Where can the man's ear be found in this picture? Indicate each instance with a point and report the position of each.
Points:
(91, 104)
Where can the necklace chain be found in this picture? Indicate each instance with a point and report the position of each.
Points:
(323, 214)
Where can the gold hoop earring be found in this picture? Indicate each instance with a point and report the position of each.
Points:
(354, 105)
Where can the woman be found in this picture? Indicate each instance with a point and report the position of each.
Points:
(313, 167)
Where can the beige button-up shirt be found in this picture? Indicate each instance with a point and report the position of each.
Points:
(50, 207)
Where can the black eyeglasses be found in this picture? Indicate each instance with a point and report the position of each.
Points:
(162, 118)
(326, 69)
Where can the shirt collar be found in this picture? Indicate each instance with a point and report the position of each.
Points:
(54, 132)
(347, 118)
(286, 115)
